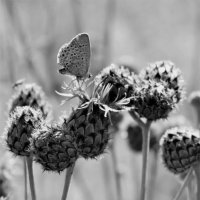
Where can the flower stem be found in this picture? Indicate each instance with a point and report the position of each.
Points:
(25, 180)
(67, 181)
(184, 184)
(116, 171)
(154, 171)
(197, 172)
(31, 177)
(145, 154)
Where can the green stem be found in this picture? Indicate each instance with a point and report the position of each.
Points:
(184, 184)
(197, 172)
(25, 180)
(68, 176)
(31, 177)
(145, 154)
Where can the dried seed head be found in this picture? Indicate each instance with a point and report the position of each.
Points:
(180, 149)
(54, 148)
(20, 127)
(30, 95)
(165, 71)
(89, 125)
(134, 138)
(153, 100)
(113, 85)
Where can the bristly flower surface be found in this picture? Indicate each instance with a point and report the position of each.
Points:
(153, 100)
(113, 85)
(180, 149)
(30, 95)
(21, 125)
(157, 90)
(54, 148)
(89, 125)
(166, 72)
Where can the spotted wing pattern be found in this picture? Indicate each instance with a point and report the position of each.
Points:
(74, 57)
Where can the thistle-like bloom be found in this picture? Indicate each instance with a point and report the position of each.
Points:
(134, 138)
(165, 72)
(54, 148)
(23, 121)
(89, 125)
(30, 95)
(157, 90)
(180, 149)
(113, 85)
(153, 100)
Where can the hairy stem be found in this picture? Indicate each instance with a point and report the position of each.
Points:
(184, 184)
(145, 154)
(31, 177)
(25, 179)
(197, 172)
(68, 176)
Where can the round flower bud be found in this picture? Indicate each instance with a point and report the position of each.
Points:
(19, 130)
(30, 95)
(89, 125)
(180, 149)
(153, 100)
(165, 71)
(54, 148)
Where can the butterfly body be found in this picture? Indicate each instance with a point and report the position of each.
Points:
(74, 57)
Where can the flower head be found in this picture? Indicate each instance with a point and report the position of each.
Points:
(180, 149)
(22, 122)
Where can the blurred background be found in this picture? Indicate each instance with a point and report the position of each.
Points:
(129, 32)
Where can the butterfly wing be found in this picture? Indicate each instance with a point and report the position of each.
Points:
(74, 57)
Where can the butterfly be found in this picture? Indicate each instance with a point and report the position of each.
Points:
(74, 57)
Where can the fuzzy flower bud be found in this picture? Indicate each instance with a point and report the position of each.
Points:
(165, 72)
(153, 100)
(20, 127)
(30, 95)
(54, 148)
(89, 125)
(180, 149)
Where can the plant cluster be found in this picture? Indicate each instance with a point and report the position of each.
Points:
(148, 96)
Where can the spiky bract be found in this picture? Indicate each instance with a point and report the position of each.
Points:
(54, 148)
(23, 121)
(89, 125)
(180, 149)
(152, 100)
(166, 72)
(30, 95)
